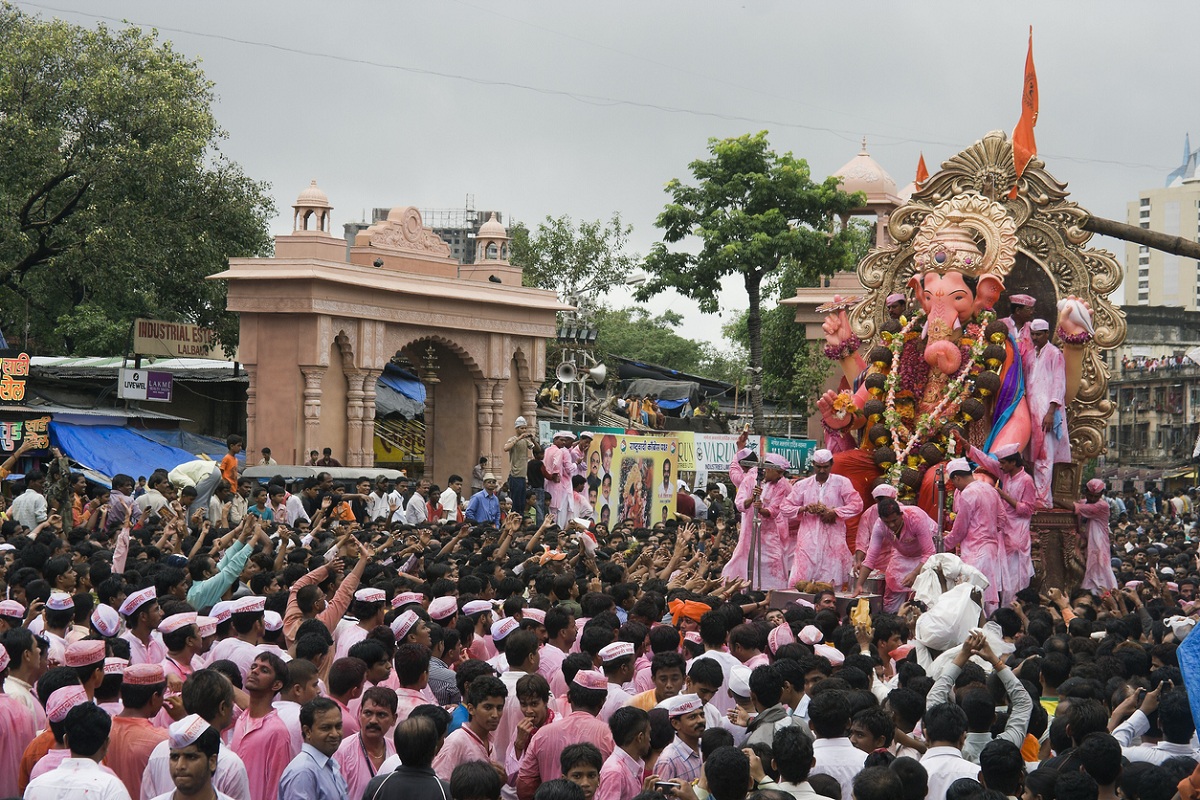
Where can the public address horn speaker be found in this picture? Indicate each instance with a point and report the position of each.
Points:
(597, 374)
(566, 372)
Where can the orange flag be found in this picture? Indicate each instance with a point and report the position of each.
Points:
(1024, 146)
(922, 171)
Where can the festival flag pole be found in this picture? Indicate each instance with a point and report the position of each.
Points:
(1023, 144)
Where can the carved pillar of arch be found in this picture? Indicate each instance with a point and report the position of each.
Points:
(251, 405)
(312, 408)
(529, 408)
(430, 393)
(354, 418)
(368, 416)
(500, 427)
(486, 419)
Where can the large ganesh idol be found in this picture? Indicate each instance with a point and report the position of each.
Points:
(950, 365)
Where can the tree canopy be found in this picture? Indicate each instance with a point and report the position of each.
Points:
(115, 199)
(574, 259)
(753, 211)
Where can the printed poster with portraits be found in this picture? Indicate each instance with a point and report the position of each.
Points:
(635, 478)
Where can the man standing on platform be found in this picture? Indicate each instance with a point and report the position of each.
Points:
(559, 469)
(976, 531)
(900, 542)
(518, 448)
(824, 501)
(1019, 320)
(762, 554)
(1098, 575)
(1045, 388)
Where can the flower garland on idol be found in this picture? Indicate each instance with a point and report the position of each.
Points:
(954, 392)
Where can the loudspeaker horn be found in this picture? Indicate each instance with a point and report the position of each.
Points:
(597, 374)
(566, 372)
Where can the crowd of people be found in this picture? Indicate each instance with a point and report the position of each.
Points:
(182, 641)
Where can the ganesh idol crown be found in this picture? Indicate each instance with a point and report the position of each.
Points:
(943, 370)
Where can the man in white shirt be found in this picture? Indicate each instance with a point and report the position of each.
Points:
(946, 730)
(87, 727)
(382, 498)
(30, 508)
(1174, 718)
(416, 512)
(829, 718)
(451, 499)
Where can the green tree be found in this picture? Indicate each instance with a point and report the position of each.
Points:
(753, 211)
(794, 369)
(115, 199)
(635, 334)
(573, 259)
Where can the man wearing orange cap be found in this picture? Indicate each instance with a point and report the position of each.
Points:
(133, 736)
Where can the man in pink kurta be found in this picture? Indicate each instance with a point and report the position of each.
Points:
(556, 462)
(824, 502)
(765, 501)
(19, 728)
(1097, 575)
(866, 523)
(1019, 500)
(976, 531)
(1018, 322)
(901, 542)
(265, 746)
(1045, 390)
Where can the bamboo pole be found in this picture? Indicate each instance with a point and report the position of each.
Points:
(1131, 233)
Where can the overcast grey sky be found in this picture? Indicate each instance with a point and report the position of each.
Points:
(623, 95)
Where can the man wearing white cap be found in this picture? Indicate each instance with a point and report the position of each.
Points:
(976, 531)
(762, 501)
(824, 502)
(87, 728)
(518, 447)
(1018, 321)
(1098, 577)
(1019, 494)
(1045, 391)
(558, 470)
(680, 760)
(193, 747)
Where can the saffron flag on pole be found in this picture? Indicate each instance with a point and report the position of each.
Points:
(1023, 144)
(922, 171)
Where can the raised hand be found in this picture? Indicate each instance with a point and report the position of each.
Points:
(837, 325)
(829, 414)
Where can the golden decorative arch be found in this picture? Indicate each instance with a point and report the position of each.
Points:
(1048, 234)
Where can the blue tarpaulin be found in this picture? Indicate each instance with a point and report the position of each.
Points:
(403, 382)
(111, 449)
(193, 443)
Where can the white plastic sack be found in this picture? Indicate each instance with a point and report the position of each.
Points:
(934, 667)
(949, 619)
(927, 588)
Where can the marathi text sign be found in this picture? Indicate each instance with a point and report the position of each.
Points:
(153, 337)
(798, 452)
(14, 433)
(14, 370)
(637, 478)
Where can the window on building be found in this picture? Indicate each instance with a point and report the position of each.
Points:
(1145, 202)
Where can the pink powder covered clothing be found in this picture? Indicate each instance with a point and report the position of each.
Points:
(821, 551)
(1098, 574)
(897, 556)
(770, 567)
(265, 746)
(976, 535)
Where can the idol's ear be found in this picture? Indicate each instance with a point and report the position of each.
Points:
(988, 292)
(916, 285)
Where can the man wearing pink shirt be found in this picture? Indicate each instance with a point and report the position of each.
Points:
(412, 671)
(142, 615)
(473, 741)
(558, 468)
(259, 736)
(747, 643)
(621, 777)
(976, 531)
(347, 676)
(540, 762)
(309, 603)
(19, 726)
(362, 754)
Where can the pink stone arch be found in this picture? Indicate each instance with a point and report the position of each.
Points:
(524, 371)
